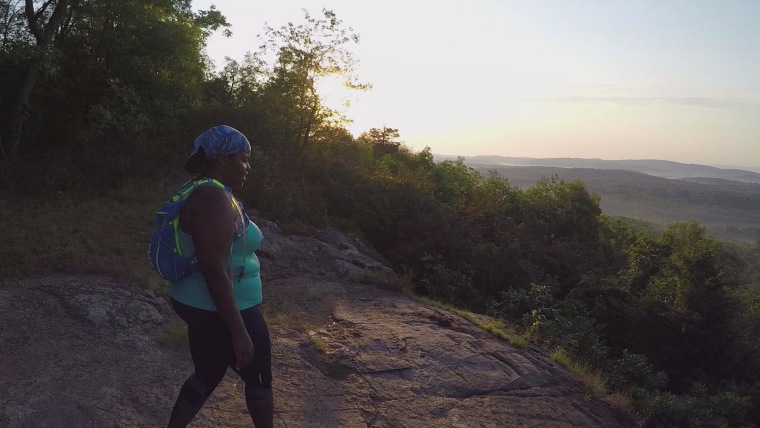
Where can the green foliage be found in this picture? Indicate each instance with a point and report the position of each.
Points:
(729, 209)
(122, 71)
(562, 211)
(745, 325)
(13, 26)
(383, 141)
(208, 20)
(579, 334)
(531, 305)
(698, 408)
(561, 221)
(634, 372)
(441, 283)
(120, 115)
(305, 54)
(679, 298)
(454, 181)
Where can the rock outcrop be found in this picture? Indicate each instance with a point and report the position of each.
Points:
(94, 351)
(324, 253)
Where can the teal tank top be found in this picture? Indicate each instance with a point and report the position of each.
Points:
(243, 266)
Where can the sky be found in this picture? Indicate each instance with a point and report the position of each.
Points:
(675, 80)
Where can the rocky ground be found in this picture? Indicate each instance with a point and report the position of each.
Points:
(95, 351)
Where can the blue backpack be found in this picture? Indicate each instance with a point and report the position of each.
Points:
(166, 255)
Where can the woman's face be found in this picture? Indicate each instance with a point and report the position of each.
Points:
(237, 168)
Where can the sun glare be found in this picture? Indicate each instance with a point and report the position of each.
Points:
(336, 96)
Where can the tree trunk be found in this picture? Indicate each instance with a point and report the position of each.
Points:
(43, 37)
(20, 111)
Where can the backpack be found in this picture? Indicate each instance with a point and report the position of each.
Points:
(164, 251)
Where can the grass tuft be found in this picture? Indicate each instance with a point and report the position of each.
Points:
(623, 402)
(319, 343)
(595, 385)
(285, 313)
(492, 325)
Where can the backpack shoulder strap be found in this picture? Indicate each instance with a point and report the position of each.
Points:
(179, 198)
(188, 188)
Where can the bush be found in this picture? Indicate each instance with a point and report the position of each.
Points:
(633, 371)
(528, 306)
(446, 285)
(696, 409)
(578, 334)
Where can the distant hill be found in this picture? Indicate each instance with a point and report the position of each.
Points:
(729, 208)
(657, 168)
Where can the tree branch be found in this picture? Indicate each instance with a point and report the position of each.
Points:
(55, 21)
(42, 10)
(31, 18)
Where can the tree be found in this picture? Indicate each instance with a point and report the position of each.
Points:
(243, 81)
(455, 182)
(306, 53)
(153, 49)
(42, 24)
(563, 211)
(12, 23)
(382, 141)
(119, 69)
(680, 308)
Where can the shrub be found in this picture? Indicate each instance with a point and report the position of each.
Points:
(695, 409)
(529, 305)
(634, 371)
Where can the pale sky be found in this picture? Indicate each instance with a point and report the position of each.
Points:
(635, 79)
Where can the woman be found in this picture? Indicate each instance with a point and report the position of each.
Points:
(220, 302)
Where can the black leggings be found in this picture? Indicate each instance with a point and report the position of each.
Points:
(212, 352)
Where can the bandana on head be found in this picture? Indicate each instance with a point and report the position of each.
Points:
(221, 140)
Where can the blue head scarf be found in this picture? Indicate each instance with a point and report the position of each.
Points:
(220, 140)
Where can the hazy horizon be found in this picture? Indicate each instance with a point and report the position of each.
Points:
(623, 80)
(741, 167)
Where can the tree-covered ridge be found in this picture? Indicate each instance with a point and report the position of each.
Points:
(670, 318)
(729, 209)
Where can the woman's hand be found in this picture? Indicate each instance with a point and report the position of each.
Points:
(243, 349)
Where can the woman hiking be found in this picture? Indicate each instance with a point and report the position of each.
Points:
(220, 300)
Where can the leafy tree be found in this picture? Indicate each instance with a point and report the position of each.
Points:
(382, 140)
(563, 211)
(493, 213)
(43, 22)
(680, 307)
(306, 53)
(124, 70)
(242, 82)
(151, 48)
(455, 182)
(13, 24)
(559, 230)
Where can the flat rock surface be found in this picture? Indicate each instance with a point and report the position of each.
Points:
(94, 351)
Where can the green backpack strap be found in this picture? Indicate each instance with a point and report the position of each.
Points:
(183, 194)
